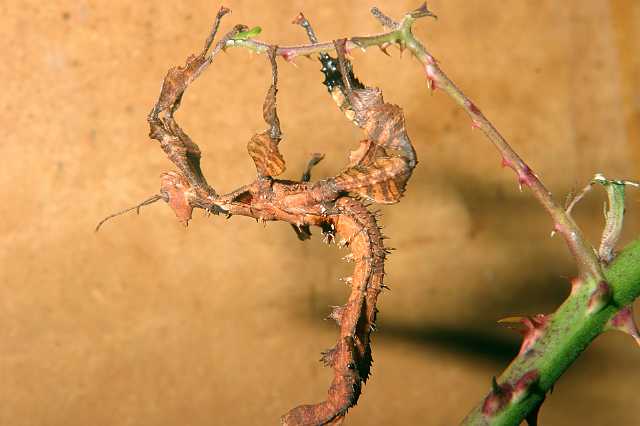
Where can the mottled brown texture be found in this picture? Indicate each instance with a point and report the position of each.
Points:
(351, 357)
(328, 204)
(142, 323)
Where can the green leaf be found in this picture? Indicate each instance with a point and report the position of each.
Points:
(246, 35)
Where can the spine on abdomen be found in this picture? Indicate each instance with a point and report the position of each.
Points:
(351, 357)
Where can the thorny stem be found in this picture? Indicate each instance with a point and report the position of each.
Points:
(401, 34)
(560, 345)
(588, 263)
(566, 333)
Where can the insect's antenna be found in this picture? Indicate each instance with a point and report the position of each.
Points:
(146, 202)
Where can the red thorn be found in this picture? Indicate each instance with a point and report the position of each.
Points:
(499, 396)
(504, 394)
(576, 283)
(534, 329)
(475, 113)
(524, 384)
(558, 228)
(526, 176)
(623, 321)
(599, 298)
(431, 84)
(530, 327)
(506, 163)
(472, 107)
(432, 76)
(288, 55)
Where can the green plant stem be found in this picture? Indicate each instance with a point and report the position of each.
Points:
(588, 262)
(569, 332)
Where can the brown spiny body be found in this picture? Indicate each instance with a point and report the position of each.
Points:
(351, 357)
(376, 172)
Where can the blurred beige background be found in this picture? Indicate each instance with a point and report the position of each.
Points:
(148, 323)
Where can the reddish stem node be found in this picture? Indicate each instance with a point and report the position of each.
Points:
(432, 76)
(526, 176)
(497, 399)
(576, 283)
(505, 162)
(524, 385)
(288, 55)
(624, 321)
(472, 107)
(600, 297)
(534, 328)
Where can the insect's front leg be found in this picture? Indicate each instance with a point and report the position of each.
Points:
(180, 149)
(263, 147)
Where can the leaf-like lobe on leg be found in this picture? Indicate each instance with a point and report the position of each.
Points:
(266, 155)
(263, 147)
(175, 188)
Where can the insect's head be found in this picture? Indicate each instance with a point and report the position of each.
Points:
(333, 76)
